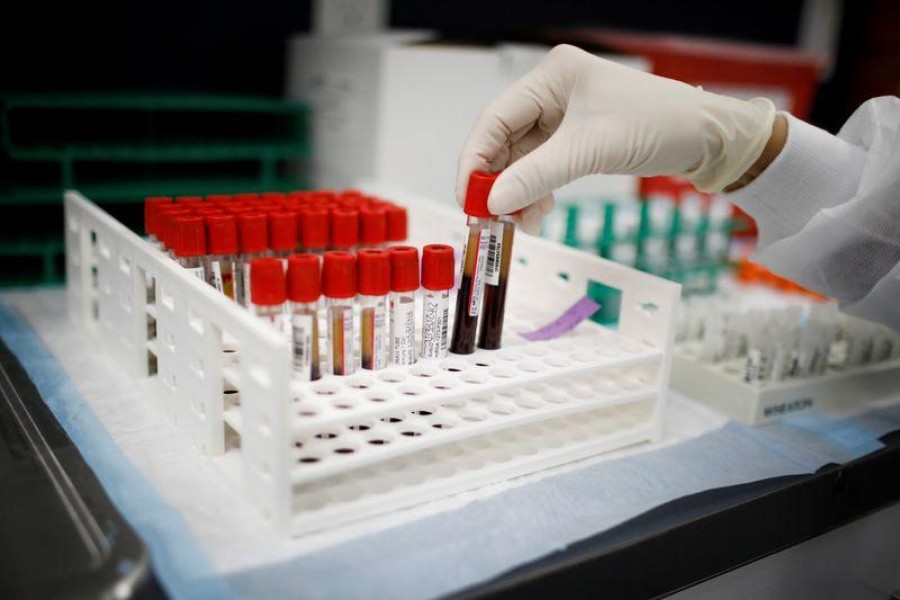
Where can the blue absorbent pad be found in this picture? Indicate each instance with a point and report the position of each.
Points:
(455, 549)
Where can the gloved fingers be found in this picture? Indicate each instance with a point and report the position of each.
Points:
(536, 174)
(531, 218)
(508, 118)
(528, 142)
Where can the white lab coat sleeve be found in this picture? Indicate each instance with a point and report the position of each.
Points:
(828, 210)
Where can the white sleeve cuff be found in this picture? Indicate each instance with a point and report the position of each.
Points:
(814, 170)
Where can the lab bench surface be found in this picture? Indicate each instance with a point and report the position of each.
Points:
(662, 551)
(61, 535)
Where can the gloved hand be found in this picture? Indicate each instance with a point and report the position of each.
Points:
(576, 114)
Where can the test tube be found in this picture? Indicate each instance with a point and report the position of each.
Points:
(268, 292)
(437, 280)
(303, 290)
(471, 285)
(496, 279)
(167, 216)
(315, 230)
(339, 289)
(372, 226)
(253, 239)
(282, 234)
(374, 276)
(344, 229)
(404, 283)
(151, 217)
(190, 244)
(397, 223)
(223, 248)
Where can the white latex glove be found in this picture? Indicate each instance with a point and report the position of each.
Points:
(576, 114)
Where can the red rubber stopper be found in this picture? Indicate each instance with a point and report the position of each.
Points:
(190, 201)
(372, 226)
(273, 197)
(374, 268)
(437, 267)
(480, 184)
(396, 223)
(315, 228)
(221, 231)
(267, 282)
(190, 236)
(151, 213)
(338, 274)
(283, 231)
(167, 215)
(252, 232)
(246, 197)
(404, 269)
(344, 228)
(303, 278)
(219, 199)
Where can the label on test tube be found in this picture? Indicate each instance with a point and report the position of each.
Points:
(348, 342)
(246, 276)
(381, 351)
(494, 252)
(475, 293)
(302, 328)
(403, 332)
(434, 326)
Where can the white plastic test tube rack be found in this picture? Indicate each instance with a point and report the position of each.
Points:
(722, 385)
(314, 455)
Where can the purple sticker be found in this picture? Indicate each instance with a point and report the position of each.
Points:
(580, 311)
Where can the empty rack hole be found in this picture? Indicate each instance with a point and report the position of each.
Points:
(453, 365)
(308, 459)
(445, 383)
(392, 376)
(360, 382)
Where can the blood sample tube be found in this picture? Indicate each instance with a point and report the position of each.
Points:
(496, 279)
(437, 280)
(396, 223)
(374, 277)
(253, 240)
(344, 229)
(221, 233)
(190, 244)
(404, 283)
(282, 234)
(304, 289)
(151, 217)
(167, 215)
(372, 226)
(315, 230)
(268, 292)
(339, 289)
(471, 285)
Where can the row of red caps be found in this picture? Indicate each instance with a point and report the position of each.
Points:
(283, 222)
(370, 272)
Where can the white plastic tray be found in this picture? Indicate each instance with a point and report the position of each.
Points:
(315, 455)
(722, 387)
